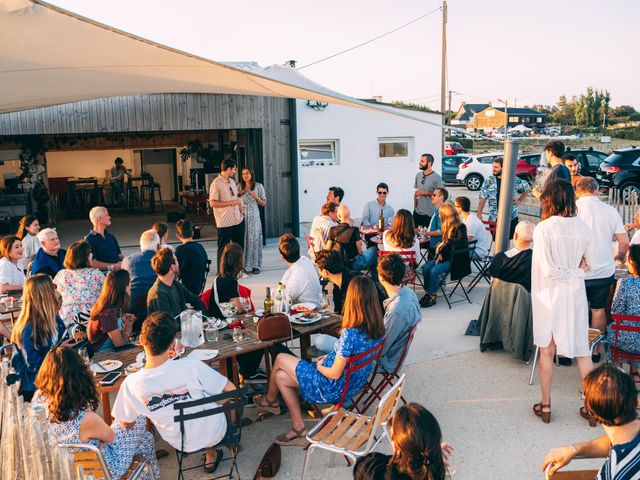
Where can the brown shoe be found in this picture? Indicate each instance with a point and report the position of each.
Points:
(538, 409)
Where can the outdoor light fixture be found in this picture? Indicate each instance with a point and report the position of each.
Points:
(317, 105)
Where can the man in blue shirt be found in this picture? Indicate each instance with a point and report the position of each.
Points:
(49, 258)
(104, 246)
(192, 258)
(371, 212)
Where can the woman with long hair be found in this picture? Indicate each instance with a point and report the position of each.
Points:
(253, 196)
(78, 283)
(561, 255)
(37, 329)
(162, 229)
(416, 442)
(67, 388)
(454, 233)
(11, 267)
(225, 285)
(28, 232)
(111, 325)
(402, 235)
(324, 380)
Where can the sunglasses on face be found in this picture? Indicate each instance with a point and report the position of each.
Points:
(382, 193)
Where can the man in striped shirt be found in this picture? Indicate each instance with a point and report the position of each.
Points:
(611, 398)
(321, 225)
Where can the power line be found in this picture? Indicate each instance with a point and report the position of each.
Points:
(373, 39)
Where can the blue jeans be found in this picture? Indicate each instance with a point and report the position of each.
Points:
(433, 275)
(366, 259)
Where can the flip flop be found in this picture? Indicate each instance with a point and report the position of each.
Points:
(211, 467)
(299, 440)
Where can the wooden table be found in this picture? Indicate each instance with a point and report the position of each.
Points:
(227, 353)
(12, 313)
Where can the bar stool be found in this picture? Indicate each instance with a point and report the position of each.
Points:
(148, 192)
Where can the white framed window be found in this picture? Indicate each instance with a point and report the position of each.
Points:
(514, 119)
(397, 148)
(318, 153)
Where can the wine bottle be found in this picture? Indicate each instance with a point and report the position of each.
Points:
(268, 303)
(381, 221)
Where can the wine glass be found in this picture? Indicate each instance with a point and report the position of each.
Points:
(324, 302)
(84, 355)
(237, 337)
(245, 303)
(178, 348)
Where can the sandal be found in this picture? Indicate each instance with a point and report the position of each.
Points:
(265, 405)
(538, 409)
(587, 416)
(299, 440)
(211, 467)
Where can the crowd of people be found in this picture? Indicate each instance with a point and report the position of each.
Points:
(566, 262)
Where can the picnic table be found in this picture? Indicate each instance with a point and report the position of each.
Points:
(227, 353)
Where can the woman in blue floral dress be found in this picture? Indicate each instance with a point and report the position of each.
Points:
(68, 392)
(626, 301)
(324, 381)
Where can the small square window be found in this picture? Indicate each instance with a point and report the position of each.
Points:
(395, 148)
(318, 153)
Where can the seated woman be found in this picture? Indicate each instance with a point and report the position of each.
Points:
(402, 235)
(418, 451)
(28, 232)
(225, 285)
(324, 381)
(454, 233)
(37, 330)
(67, 388)
(110, 324)
(162, 229)
(78, 283)
(11, 270)
(626, 301)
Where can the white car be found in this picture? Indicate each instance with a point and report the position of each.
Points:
(474, 171)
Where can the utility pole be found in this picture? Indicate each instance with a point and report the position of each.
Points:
(443, 79)
(449, 110)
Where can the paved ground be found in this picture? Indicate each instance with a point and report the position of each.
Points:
(482, 400)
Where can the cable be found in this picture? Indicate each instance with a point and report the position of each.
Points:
(373, 39)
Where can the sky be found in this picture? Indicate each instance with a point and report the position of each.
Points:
(525, 52)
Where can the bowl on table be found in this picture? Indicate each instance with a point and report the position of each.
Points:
(228, 309)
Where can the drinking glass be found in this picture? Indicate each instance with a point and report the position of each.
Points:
(84, 355)
(237, 337)
(210, 332)
(245, 302)
(324, 302)
(178, 348)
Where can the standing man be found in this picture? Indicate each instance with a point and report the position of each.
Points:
(371, 212)
(104, 246)
(605, 224)
(335, 195)
(571, 162)
(553, 151)
(426, 182)
(116, 181)
(490, 193)
(223, 199)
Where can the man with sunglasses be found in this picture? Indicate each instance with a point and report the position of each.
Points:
(371, 212)
(426, 182)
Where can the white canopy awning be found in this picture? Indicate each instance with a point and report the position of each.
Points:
(50, 56)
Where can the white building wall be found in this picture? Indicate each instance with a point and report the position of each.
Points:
(360, 170)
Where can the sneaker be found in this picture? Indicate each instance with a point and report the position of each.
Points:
(259, 377)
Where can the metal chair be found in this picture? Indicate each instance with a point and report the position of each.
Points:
(483, 264)
(409, 258)
(89, 460)
(370, 393)
(595, 337)
(207, 269)
(351, 434)
(457, 252)
(618, 355)
(234, 402)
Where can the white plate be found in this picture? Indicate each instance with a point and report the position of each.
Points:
(305, 306)
(259, 312)
(203, 354)
(299, 321)
(106, 366)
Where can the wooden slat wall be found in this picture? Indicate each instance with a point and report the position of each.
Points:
(175, 112)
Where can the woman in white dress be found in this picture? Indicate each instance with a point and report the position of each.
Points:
(561, 255)
(28, 232)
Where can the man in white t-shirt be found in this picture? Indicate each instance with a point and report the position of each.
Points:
(301, 279)
(476, 230)
(606, 225)
(152, 391)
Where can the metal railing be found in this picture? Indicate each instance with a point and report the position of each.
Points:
(625, 203)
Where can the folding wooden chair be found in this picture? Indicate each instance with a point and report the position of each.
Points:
(351, 434)
(89, 460)
(618, 355)
(411, 277)
(373, 391)
(234, 402)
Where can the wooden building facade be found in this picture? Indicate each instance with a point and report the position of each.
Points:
(256, 130)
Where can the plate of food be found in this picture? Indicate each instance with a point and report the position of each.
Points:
(106, 366)
(303, 307)
(306, 318)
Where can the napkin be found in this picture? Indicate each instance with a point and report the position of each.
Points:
(203, 354)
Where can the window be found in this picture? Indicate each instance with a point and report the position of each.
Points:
(514, 119)
(595, 158)
(397, 148)
(315, 153)
(538, 119)
(487, 159)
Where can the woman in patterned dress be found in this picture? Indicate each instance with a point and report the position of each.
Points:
(626, 301)
(252, 195)
(324, 381)
(68, 391)
(78, 283)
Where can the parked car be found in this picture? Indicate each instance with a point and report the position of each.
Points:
(451, 166)
(453, 148)
(474, 171)
(527, 166)
(621, 170)
(589, 160)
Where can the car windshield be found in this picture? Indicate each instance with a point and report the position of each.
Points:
(623, 157)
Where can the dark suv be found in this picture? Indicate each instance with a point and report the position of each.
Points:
(621, 170)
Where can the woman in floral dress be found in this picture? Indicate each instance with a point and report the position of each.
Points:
(78, 283)
(252, 195)
(67, 389)
(323, 381)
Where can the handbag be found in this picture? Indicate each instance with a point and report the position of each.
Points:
(270, 463)
(274, 326)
